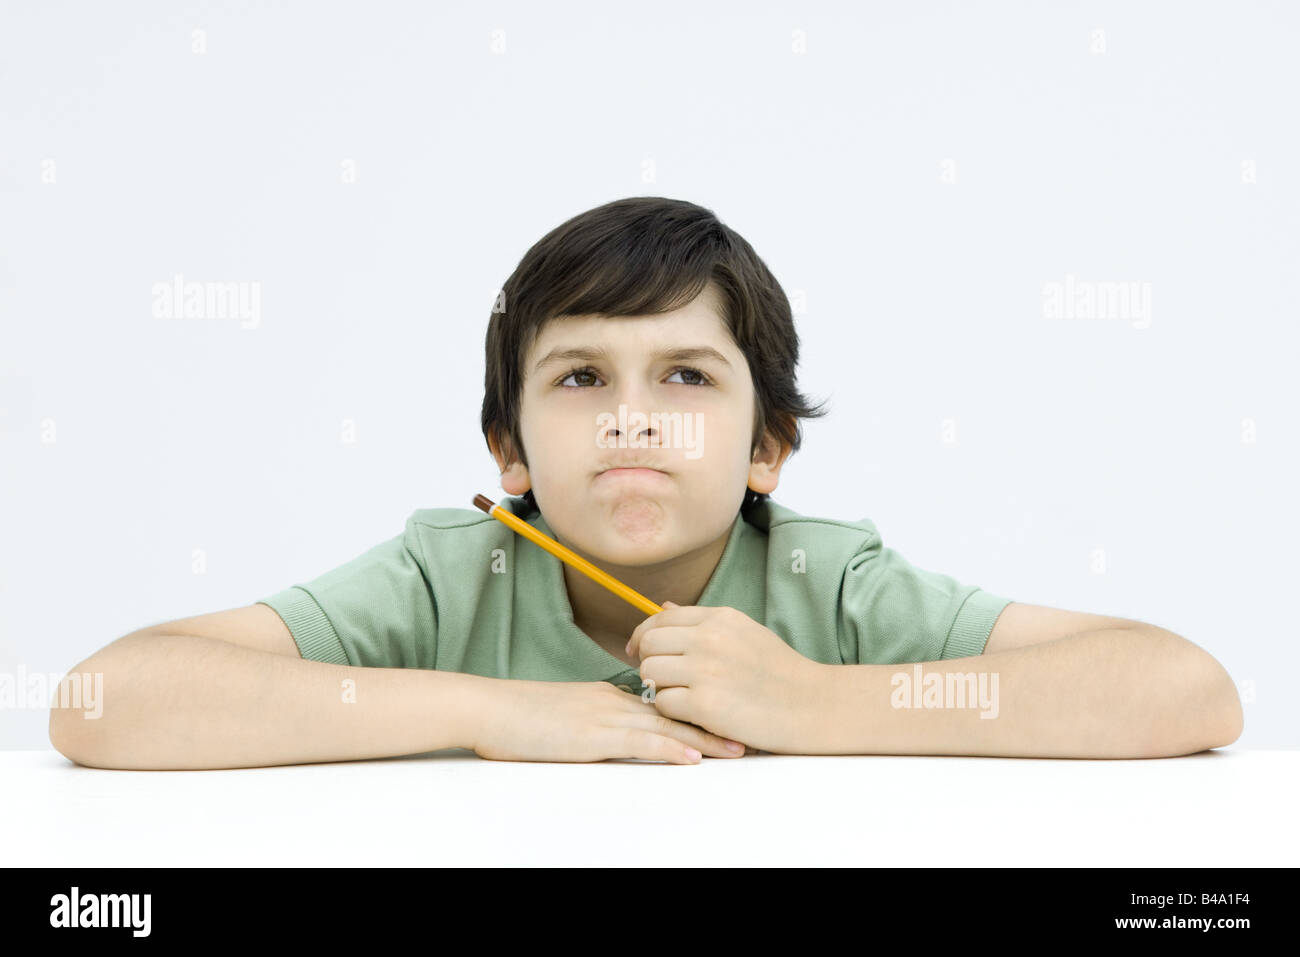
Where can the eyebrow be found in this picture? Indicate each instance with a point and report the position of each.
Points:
(588, 354)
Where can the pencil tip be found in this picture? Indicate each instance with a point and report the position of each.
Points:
(483, 502)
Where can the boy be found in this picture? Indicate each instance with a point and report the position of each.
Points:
(640, 403)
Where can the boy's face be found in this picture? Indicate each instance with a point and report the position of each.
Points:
(689, 418)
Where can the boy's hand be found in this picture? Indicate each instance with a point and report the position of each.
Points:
(585, 721)
(718, 668)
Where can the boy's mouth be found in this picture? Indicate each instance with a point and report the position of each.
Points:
(630, 464)
(630, 472)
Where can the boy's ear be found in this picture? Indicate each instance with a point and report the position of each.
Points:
(514, 476)
(765, 467)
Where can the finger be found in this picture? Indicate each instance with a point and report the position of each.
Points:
(673, 614)
(667, 671)
(661, 640)
(682, 614)
(676, 641)
(692, 736)
(710, 744)
(645, 625)
(674, 703)
(649, 746)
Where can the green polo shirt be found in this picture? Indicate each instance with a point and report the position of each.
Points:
(458, 590)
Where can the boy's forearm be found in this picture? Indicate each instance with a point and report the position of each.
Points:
(175, 702)
(1110, 693)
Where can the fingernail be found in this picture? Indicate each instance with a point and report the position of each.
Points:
(693, 754)
(734, 747)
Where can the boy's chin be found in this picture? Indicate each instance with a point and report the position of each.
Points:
(627, 541)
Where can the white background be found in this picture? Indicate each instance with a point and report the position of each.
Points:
(129, 442)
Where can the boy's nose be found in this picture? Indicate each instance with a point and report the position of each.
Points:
(635, 435)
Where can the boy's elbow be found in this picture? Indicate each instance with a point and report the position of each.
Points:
(71, 735)
(1202, 709)
(1232, 719)
(1217, 701)
(61, 736)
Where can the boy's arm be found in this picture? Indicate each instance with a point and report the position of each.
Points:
(186, 701)
(1128, 691)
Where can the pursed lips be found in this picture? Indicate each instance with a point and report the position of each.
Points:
(630, 470)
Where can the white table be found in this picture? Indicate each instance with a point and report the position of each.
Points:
(451, 808)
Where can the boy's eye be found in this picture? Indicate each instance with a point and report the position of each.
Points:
(574, 372)
(702, 379)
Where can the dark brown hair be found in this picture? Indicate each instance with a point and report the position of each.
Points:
(645, 255)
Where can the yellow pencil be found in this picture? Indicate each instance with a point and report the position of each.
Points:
(566, 555)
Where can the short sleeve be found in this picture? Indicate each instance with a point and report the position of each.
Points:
(375, 611)
(891, 611)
